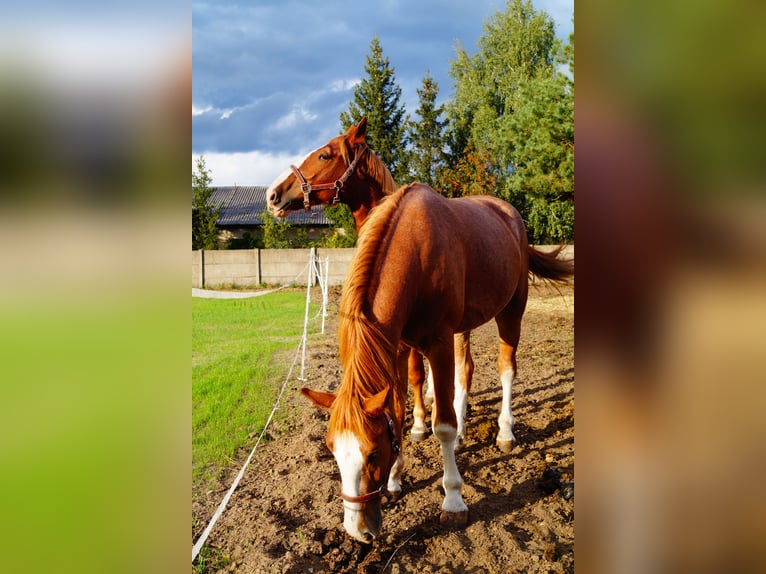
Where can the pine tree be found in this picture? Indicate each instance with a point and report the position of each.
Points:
(204, 213)
(426, 135)
(378, 97)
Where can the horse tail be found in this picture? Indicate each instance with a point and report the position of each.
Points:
(547, 265)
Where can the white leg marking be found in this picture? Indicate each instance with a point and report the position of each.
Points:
(452, 481)
(428, 395)
(418, 423)
(505, 420)
(461, 404)
(394, 478)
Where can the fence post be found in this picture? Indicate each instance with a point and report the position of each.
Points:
(312, 262)
(325, 289)
(202, 268)
(306, 317)
(257, 266)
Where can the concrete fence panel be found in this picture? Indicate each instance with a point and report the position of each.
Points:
(231, 267)
(340, 261)
(197, 267)
(280, 266)
(253, 267)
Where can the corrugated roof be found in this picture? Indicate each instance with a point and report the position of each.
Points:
(243, 205)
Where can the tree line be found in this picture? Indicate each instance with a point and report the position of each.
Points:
(507, 130)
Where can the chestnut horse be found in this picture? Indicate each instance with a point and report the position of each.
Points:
(345, 170)
(426, 267)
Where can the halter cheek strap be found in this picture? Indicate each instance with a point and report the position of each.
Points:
(395, 450)
(307, 187)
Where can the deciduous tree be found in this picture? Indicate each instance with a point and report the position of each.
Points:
(512, 102)
(204, 213)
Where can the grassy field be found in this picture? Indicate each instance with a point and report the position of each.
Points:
(242, 350)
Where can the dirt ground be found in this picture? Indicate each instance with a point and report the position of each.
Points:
(286, 515)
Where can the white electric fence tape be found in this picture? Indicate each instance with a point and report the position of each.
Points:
(301, 350)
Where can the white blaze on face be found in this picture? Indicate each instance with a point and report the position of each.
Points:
(278, 181)
(348, 455)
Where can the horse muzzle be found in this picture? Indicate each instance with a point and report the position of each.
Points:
(363, 523)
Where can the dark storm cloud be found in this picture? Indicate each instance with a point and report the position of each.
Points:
(273, 77)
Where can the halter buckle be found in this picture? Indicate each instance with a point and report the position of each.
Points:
(307, 188)
(338, 187)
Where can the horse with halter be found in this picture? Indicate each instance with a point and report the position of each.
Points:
(426, 268)
(345, 170)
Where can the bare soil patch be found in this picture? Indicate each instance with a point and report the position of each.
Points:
(286, 515)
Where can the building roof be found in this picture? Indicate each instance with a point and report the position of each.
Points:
(243, 206)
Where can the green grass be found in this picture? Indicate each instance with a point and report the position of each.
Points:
(242, 350)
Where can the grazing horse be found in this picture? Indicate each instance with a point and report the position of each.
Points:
(426, 267)
(345, 170)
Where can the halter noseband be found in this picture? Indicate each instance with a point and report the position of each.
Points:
(395, 450)
(337, 185)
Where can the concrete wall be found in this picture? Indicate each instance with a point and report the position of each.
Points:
(340, 262)
(252, 267)
(231, 267)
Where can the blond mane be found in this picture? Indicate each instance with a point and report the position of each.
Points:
(367, 355)
(379, 172)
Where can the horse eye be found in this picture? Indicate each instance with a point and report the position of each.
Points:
(324, 156)
(372, 457)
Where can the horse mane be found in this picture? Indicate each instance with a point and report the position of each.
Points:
(367, 355)
(379, 172)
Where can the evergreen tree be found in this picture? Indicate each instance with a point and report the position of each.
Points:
(426, 135)
(204, 213)
(378, 97)
(542, 135)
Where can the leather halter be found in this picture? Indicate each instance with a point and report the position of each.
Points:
(307, 187)
(395, 450)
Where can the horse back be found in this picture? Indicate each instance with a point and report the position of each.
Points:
(448, 264)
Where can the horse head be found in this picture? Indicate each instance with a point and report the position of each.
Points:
(321, 177)
(364, 441)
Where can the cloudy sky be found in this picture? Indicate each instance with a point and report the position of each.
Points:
(270, 77)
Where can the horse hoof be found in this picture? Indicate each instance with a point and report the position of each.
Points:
(418, 436)
(454, 519)
(506, 446)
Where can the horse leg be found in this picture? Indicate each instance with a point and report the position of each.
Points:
(428, 396)
(509, 329)
(394, 485)
(463, 376)
(416, 376)
(444, 423)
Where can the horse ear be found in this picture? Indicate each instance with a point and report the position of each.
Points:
(322, 400)
(361, 127)
(357, 132)
(374, 405)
